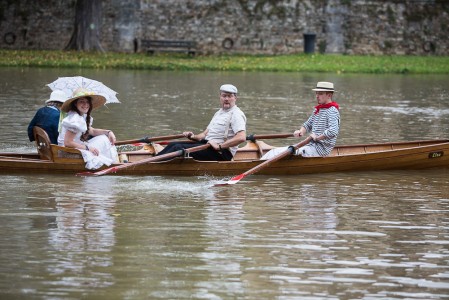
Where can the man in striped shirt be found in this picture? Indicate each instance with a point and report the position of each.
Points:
(323, 125)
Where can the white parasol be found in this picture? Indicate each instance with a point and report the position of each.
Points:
(70, 84)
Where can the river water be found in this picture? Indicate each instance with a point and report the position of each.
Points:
(364, 235)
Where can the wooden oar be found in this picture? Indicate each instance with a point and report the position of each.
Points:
(266, 163)
(150, 139)
(254, 137)
(251, 137)
(145, 161)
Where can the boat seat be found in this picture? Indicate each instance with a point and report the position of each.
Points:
(263, 148)
(43, 143)
(65, 154)
(52, 152)
(252, 150)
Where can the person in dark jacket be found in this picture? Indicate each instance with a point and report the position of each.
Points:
(47, 117)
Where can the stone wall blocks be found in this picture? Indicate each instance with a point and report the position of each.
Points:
(275, 27)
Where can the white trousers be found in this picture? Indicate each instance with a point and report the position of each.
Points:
(305, 151)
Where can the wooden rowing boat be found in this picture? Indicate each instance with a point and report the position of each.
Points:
(411, 155)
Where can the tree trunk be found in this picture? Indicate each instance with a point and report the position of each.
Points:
(86, 34)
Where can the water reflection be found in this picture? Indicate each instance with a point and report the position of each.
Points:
(310, 234)
(84, 223)
(331, 235)
(268, 237)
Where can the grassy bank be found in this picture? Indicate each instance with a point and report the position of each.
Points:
(284, 63)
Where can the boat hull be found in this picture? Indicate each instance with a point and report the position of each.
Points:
(375, 157)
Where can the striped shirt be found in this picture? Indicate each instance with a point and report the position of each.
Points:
(326, 122)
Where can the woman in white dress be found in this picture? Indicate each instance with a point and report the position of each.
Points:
(96, 145)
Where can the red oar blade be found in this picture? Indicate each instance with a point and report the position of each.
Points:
(290, 150)
(99, 173)
(233, 180)
(87, 173)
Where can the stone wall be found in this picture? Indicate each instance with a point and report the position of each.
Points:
(414, 27)
(44, 24)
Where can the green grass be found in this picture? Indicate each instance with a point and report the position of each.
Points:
(281, 63)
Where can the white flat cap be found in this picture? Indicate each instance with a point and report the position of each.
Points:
(229, 88)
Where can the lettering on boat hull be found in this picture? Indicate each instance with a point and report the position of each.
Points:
(436, 154)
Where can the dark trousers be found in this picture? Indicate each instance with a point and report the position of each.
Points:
(208, 154)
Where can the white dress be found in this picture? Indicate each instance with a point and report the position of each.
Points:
(77, 124)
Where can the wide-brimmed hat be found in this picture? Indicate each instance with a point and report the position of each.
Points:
(57, 96)
(229, 88)
(324, 86)
(97, 100)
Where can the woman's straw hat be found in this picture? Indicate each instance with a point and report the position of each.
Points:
(97, 100)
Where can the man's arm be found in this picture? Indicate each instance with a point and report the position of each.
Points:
(236, 140)
(195, 137)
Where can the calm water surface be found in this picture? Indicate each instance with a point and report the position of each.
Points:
(366, 235)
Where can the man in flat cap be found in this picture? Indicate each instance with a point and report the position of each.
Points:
(225, 132)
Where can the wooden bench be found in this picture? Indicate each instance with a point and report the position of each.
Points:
(252, 150)
(51, 152)
(151, 46)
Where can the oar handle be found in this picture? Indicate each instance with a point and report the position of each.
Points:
(254, 137)
(150, 139)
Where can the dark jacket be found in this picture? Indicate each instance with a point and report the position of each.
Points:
(46, 118)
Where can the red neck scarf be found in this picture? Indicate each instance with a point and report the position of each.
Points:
(328, 105)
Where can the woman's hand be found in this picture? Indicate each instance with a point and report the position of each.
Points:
(92, 150)
(111, 137)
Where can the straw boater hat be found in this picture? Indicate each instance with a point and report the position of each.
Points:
(57, 96)
(97, 100)
(324, 86)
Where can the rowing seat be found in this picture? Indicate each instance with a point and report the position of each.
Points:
(143, 153)
(52, 152)
(43, 143)
(252, 150)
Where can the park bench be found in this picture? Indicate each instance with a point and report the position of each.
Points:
(151, 46)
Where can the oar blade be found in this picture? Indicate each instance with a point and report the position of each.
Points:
(231, 181)
(98, 173)
(290, 150)
(85, 174)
